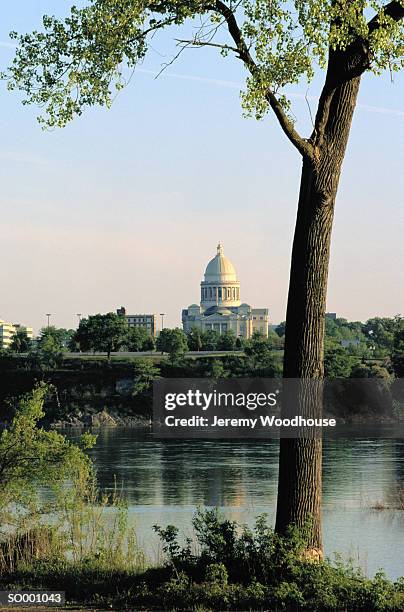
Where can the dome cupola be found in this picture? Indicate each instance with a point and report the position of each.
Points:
(220, 286)
(220, 269)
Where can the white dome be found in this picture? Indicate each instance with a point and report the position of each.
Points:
(220, 269)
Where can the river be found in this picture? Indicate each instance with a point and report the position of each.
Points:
(165, 480)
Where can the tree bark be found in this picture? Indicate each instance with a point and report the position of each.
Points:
(299, 487)
(300, 462)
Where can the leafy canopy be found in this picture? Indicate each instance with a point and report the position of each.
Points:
(173, 342)
(31, 456)
(86, 58)
(54, 338)
(102, 332)
(21, 342)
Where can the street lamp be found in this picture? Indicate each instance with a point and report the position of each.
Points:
(48, 315)
(162, 319)
(79, 316)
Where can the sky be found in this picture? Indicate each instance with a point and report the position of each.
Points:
(125, 206)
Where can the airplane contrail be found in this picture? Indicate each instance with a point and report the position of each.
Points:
(299, 96)
(396, 112)
(8, 45)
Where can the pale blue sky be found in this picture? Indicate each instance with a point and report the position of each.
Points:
(126, 206)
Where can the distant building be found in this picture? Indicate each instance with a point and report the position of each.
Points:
(148, 321)
(331, 315)
(7, 331)
(220, 308)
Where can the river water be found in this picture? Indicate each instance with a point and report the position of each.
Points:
(165, 480)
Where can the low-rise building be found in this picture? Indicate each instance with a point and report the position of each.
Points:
(148, 321)
(7, 331)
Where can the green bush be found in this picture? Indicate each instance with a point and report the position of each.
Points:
(239, 567)
(234, 568)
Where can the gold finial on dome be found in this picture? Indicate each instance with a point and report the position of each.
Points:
(220, 249)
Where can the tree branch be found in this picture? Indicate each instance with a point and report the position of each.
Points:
(201, 43)
(302, 145)
(394, 9)
(235, 33)
(349, 64)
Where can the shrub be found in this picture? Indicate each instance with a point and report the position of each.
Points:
(240, 567)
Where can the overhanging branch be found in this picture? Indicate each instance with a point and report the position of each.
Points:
(302, 145)
(394, 10)
(358, 51)
(201, 43)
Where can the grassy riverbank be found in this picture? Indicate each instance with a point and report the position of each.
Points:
(81, 540)
(228, 567)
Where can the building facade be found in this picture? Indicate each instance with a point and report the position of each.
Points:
(7, 331)
(148, 321)
(220, 306)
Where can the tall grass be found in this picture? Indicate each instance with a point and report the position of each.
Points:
(23, 548)
(97, 530)
(87, 528)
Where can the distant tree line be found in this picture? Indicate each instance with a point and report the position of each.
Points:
(374, 349)
(352, 348)
(97, 333)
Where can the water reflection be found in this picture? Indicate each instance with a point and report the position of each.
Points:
(165, 480)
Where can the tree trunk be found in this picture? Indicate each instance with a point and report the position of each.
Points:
(300, 461)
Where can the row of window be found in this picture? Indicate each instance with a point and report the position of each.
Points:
(138, 324)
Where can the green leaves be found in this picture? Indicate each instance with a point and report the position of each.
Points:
(79, 62)
(85, 59)
(31, 456)
(102, 332)
(173, 342)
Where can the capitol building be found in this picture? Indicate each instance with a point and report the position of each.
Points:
(220, 308)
